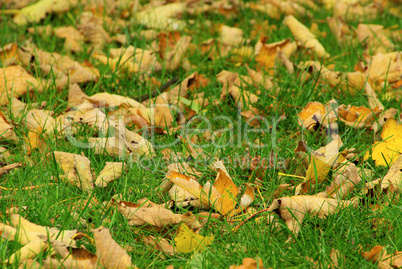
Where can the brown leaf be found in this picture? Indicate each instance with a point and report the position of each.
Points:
(249, 263)
(159, 243)
(34, 140)
(8, 54)
(15, 81)
(30, 250)
(346, 178)
(73, 38)
(154, 215)
(293, 209)
(6, 129)
(131, 60)
(111, 172)
(303, 35)
(266, 54)
(76, 168)
(358, 117)
(110, 254)
(374, 38)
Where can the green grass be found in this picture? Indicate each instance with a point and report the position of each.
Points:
(350, 231)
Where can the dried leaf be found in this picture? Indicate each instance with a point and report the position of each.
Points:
(305, 37)
(293, 209)
(110, 254)
(111, 172)
(76, 168)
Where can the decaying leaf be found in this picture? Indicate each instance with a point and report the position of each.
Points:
(6, 129)
(153, 215)
(316, 114)
(159, 243)
(345, 179)
(111, 171)
(37, 11)
(303, 35)
(76, 168)
(109, 253)
(358, 117)
(15, 81)
(293, 209)
(222, 195)
(378, 254)
(322, 160)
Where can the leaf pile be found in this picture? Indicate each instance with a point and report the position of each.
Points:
(126, 78)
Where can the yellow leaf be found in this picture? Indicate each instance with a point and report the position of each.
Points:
(387, 151)
(38, 11)
(322, 161)
(188, 241)
(304, 36)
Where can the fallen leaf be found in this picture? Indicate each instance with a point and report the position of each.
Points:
(358, 117)
(110, 254)
(188, 241)
(30, 250)
(293, 209)
(387, 151)
(111, 172)
(76, 168)
(303, 35)
(249, 263)
(154, 215)
(345, 180)
(322, 160)
(37, 11)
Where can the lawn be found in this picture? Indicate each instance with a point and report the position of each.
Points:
(196, 134)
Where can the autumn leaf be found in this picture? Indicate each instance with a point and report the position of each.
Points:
(386, 152)
(321, 162)
(109, 253)
(76, 168)
(188, 241)
(111, 171)
(305, 37)
(249, 263)
(37, 11)
(345, 180)
(293, 209)
(153, 215)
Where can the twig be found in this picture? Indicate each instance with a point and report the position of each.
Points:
(154, 93)
(25, 188)
(249, 218)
